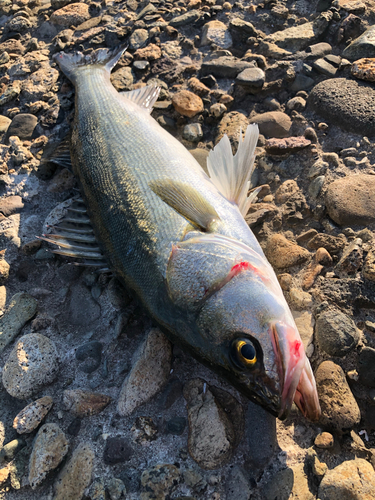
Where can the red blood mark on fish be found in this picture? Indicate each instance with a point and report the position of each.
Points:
(243, 266)
(295, 347)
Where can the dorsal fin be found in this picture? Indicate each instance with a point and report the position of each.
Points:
(60, 155)
(145, 97)
(187, 201)
(231, 174)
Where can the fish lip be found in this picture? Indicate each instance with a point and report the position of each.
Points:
(290, 358)
(306, 396)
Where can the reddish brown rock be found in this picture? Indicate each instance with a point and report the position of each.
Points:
(150, 53)
(333, 244)
(11, 205)
(287, 145)
(285, 191)
(283, 253)
(364, 69)
(324, 440)
(187, 104)
(369, 266)
(198, 87)
(71, 15)
(84, 403)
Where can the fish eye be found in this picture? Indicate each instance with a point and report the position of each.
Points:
(243, 353)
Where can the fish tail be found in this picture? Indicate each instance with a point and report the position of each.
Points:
(70, 64)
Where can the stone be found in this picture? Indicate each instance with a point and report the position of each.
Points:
(217, 33)
(241, 30)
(187, 18)
(39, 83)
(251, 78)
(297, 103)
(287, 145)
(346, 103)
(122, 79)
(138, 39)
(260, 423)
(324, 440)
(288, 483)
(11, 449)
(333, 244)
(187, 104)
(285, 191)
(364, 69)
(83, 309)
(316, 186)
(83, 403)
(325, 67)
(18, 24)
(31, 416)
(283, 253)
(150, 370)
(273, 124)
(218, 109)
(336, 333)
(32, 364)
(159, 481)
(176, 426)
(237, 486)
(193, 132)
(230, 125)
(369, 266)
(117, 450)
(299, 37)
(211, 433)
(151, 52)
(22, 126)
(299, 299)
(302, 82)
(224, 66)
(340, 410)
(305, 325)
(366, 366)
(361, 47)
(4, 123)
(73, 14)
(116, 488)
(351, 480)
(50, 447)
(76, 474)
(351, 259)
(198, 87)
(4, 271)
(91, 355)
(356, 209)
(144, 430)
(21, 309)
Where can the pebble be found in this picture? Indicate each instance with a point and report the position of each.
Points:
(216, 32)
(73, 14)
(138, 39)
(230, 124)
(198, 87)
(324, 440)
(187, 104)
(241, 30)
(4, 271)
(97, 490)
(364, 69)
(21, 309)
(224, 66)
(75, 477)
(116, 488)
(346, 103)
(150, 53)
(117, 450)
(83, 403)
(39, 83)
(4, 123)
(83, 309)
(351, 259)
(325, 67)
(286, 146)
(238, 486)
(211, 432)
(252, 79)
(193, 132)
(159, 481)
(336, 332)
(217, 110)
(296, 103)
(273, 124)
(22, 126)
(144, 430)
(31, 416)
(91, 355)
(283, 253)
(356, 209)
(187, 18)
(299, 299)
(333, 244)
(50, 447)
(11, 449)
(369, 266)
(340, 410)
(285, 191)
(316, 186)
(150, 370)
(32, 364)
(361, 47)
(351, 480)
(366, 366)
(123, 79)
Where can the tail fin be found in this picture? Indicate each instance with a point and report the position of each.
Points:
(70, 63)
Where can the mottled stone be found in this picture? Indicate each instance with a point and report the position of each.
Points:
(217, 33)
(336, 332)
(150, 53)
(193, 132)
(32, 364)
(283, 253)
(76, 474)
(187, 104)
(285, 191)
(150, 370)
(241, 30)
(364, 69)
(83, 403)
(333, 244)
(21, 309)
(224, 66)
(287, 145)
(116, 488)
(73, 14)
(351, 259)
(50, 447)
(4, 123)
(122, 79)
(138, 39)
(159, 481)
(39, 82)
(198, 87)
(339, 408)
(184, 19)
(31, 416)
(252, 79)
(361, 47)
(369, 266)
(324, 440)
(351, 480)
(230, 124)
(273, 124)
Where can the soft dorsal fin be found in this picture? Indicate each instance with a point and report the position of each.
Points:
(231, 174)
(60, 155)
(145, 97)
(187, 201)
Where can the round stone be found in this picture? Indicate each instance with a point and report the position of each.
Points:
(187, 104)
(251, 78)
(273, 123)
(193, 132)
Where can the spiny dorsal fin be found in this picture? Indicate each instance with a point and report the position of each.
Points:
(145, 97)
(187, 201)
(231, 174)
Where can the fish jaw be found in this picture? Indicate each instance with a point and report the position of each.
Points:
(306, 396)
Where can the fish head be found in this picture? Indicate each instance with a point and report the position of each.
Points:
(244, 328)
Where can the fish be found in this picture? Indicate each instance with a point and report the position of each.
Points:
(177, 238)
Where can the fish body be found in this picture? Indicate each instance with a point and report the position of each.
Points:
(184, 248)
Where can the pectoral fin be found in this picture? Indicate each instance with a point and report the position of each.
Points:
(187, 201)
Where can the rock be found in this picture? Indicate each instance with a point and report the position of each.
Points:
(217, 33)
(176, 426)
(73, 14)
(366, 366)
(187, 18)
(339, 408)
(273, 124)
(138, 39)
(224, 66)
(336, 333)
(91, 354)
(283, 253)
(369, 266)
(299, 299)
(361, 47)
(21, 309)
(187, 104)
(122, 79)
(4, 271)
(285, 191)
(32, 364)
(356, 209)
(351, 259)
(117, 450)
(150, 370)
(252, 79)
(50, 447)
(83, 309)
(39, 83)
(11, 449)
(10, 205)
(3, 298)
(12, 46)
(297, 103)
(299, 37)
(30, 417)
(241, 30)
(346, 103)
(286, 146)
(351, 480)
(325, 67)
(364, 69)
(4, 123)
(159, 481)
(151, 52)
(22, 126)
(18, 24)
(231, 124)
(144, 430)
(76, 474)
(260, 423)
(333, 244)
(116, 488)
(324, 440)
(237, 486)
(217, 110)
(211, 432)
(288, 483)
(198, 87)
(193, 132)
(85, 404)
(97, 490)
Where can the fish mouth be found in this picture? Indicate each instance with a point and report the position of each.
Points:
(290, 357)
(306, 396)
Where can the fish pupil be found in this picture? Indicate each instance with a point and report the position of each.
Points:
(248, 351)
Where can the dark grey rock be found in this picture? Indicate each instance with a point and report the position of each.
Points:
(363, 46)
(336, 333)
(22, 126)
(302, 82)
(238, 486)
(251, 78)
(117, 450)
(325, 67)
(366, 366)
(260, 423)
(187, 18)
(176, 425)
(83, 310)
(74, 427)
(318, 50)
(91, 354)
(224, 66)
(241, 30)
